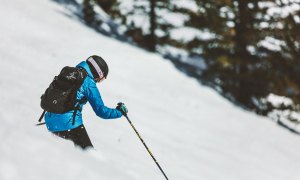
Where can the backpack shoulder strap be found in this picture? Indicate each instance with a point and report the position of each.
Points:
(79, 102)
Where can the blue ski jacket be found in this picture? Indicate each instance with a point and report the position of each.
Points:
(88, 90)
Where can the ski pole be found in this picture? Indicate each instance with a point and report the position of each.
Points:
(145, 146)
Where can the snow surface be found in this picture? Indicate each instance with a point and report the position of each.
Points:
(277, 101)
(185, 4)
(187, 34)
(272, 43)
(193, 132)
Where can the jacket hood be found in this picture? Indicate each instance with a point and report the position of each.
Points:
(85, 66)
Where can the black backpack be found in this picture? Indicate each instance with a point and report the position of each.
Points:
(60, 96)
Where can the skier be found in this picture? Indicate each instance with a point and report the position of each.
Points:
(61, 124)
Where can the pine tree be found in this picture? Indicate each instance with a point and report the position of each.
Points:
(142, 21)
(230, 62)
(88, 12)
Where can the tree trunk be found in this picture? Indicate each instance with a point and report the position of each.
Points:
(242, 17)
(88, 13)
(153, 26)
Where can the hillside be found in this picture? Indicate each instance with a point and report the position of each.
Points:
(192, 131)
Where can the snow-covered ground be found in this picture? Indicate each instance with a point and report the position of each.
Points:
(193, 132)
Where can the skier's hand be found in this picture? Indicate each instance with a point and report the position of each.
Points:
(121, 107)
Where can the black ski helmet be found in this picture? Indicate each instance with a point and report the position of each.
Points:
(98, 66)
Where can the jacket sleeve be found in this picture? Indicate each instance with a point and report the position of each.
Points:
(94, 98)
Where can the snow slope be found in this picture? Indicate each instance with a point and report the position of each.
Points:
(193, 132)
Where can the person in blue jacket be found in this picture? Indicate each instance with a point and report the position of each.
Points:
(61, 124)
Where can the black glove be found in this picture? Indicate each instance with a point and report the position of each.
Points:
(121, 107)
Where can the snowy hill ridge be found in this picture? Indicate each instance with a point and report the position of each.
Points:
(192, 131)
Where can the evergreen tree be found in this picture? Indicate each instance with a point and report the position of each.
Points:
(88, 12)
(141, 21)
